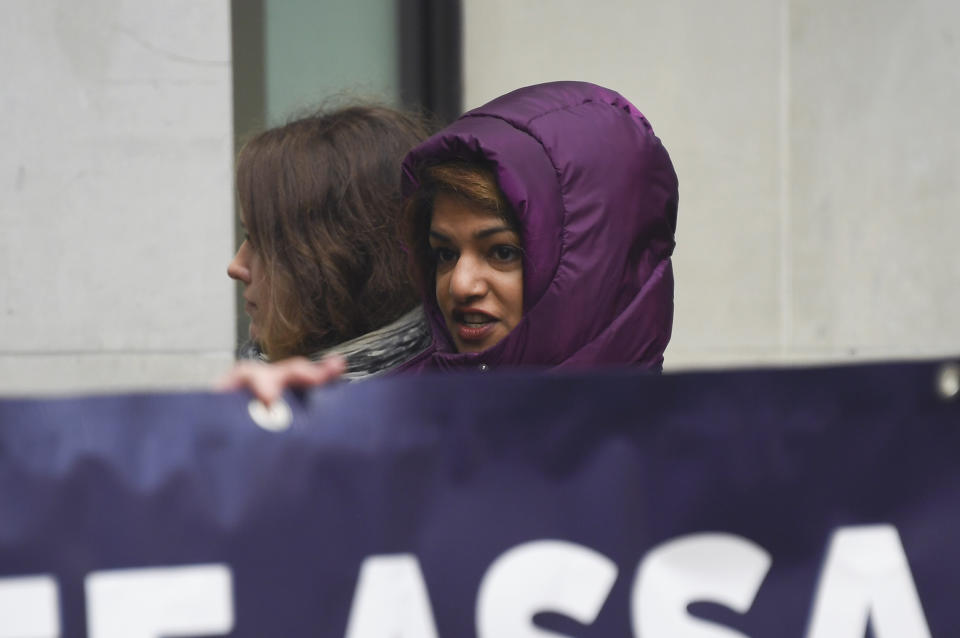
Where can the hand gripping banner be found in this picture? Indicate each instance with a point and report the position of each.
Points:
(807, 503)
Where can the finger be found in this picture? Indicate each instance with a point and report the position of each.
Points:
(331, 367)
(300, 372)
(269, 384)
(235, 377)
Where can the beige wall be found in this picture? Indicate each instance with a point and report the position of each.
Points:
(816, 144)
(818, 154)
(115, 194)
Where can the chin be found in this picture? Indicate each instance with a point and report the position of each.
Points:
(475, 346)
(470, 349)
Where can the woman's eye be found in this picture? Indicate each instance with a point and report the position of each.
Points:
(444, 255)
(505, 252)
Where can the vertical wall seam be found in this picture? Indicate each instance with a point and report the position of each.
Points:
(786, 280)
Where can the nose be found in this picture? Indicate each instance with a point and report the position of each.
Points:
(238, 268)
(468, 280)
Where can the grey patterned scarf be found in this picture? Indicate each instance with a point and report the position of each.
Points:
(373, 353)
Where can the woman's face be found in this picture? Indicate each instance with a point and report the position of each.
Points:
(247, 267)
(479, 272)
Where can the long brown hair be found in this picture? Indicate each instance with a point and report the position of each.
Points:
(320, 199)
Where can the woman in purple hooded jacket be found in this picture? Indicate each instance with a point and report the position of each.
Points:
(542, 226)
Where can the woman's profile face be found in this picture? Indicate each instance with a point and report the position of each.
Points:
(247, 267)
(479, 265)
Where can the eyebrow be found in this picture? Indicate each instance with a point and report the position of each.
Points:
(480, 234)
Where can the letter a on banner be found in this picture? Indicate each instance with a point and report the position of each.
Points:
(391, 600)
(866, 577)
(556, 576)
(716, 568)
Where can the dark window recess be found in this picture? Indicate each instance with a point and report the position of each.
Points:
(249, 101)
(431, 74)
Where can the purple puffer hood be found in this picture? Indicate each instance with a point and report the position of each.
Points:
(596, 197)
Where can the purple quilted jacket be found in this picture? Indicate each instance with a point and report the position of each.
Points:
(596, 197)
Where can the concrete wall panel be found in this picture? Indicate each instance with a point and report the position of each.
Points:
(116, 205)
(707, 75)
(875, 155)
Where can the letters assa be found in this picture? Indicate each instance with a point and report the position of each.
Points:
(865, 578)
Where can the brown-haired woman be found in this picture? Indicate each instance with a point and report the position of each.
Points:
(322, 263)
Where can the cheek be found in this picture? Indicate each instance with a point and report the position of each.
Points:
(511, 295)
(256, 271)
(518, 294)
(259, 277)
(441, 289)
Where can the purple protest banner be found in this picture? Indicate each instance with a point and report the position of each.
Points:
(807, 503)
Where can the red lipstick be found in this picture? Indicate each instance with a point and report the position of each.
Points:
(473, 325)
